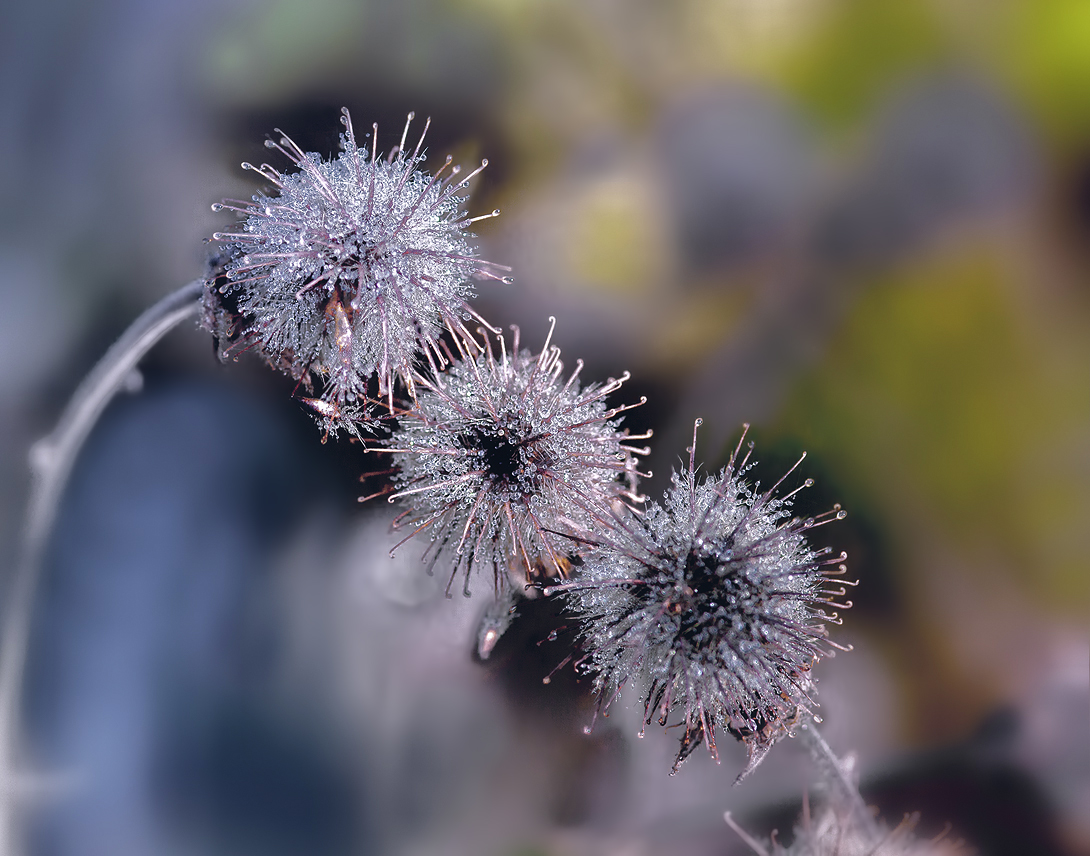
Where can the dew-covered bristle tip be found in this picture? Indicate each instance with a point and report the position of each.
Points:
(714, 604)
(359, 419)
(507, 463)
(351, 267)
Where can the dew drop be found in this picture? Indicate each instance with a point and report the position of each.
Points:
(587, 729)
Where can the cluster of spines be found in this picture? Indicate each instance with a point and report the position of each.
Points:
(357, 272)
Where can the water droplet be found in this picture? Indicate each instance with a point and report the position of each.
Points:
(587, 729)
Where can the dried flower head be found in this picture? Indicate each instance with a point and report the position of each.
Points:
(353, 266)
(837, 831)
(502, 460)
(713, 604)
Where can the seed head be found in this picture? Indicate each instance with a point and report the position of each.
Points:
(352, 266)
(837, 831)
(713, 604)
(505, 463)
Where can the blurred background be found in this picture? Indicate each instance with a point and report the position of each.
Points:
(860, 225)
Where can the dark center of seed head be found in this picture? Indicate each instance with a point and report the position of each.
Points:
(500, 454)
(715, 592)
(502, 458)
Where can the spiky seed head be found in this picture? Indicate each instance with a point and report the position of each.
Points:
(714, 604)
(352, 266)
(504, 462)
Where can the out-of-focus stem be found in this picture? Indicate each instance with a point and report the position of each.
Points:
(51, 460)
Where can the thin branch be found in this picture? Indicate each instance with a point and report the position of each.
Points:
(51, 460)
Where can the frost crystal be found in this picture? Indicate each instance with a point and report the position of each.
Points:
(712, 605)
(505, 464)
(353, 266)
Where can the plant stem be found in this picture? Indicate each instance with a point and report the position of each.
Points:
(51, 461)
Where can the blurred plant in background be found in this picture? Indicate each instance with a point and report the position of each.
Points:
(859, 224)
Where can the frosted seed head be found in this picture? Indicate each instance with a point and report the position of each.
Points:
(508, 464)
(712, 603)
(348, 268)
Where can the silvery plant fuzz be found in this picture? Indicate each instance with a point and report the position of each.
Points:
(714, 605)
(351, 267)
(505, 462)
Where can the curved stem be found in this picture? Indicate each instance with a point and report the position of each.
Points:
(51, 461)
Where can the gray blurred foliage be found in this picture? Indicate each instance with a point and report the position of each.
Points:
(739, 170)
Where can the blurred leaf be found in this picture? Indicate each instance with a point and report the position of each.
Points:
(280, 48)
(944, 400)
(1046, 47)
(616, 243)
(857, 51)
